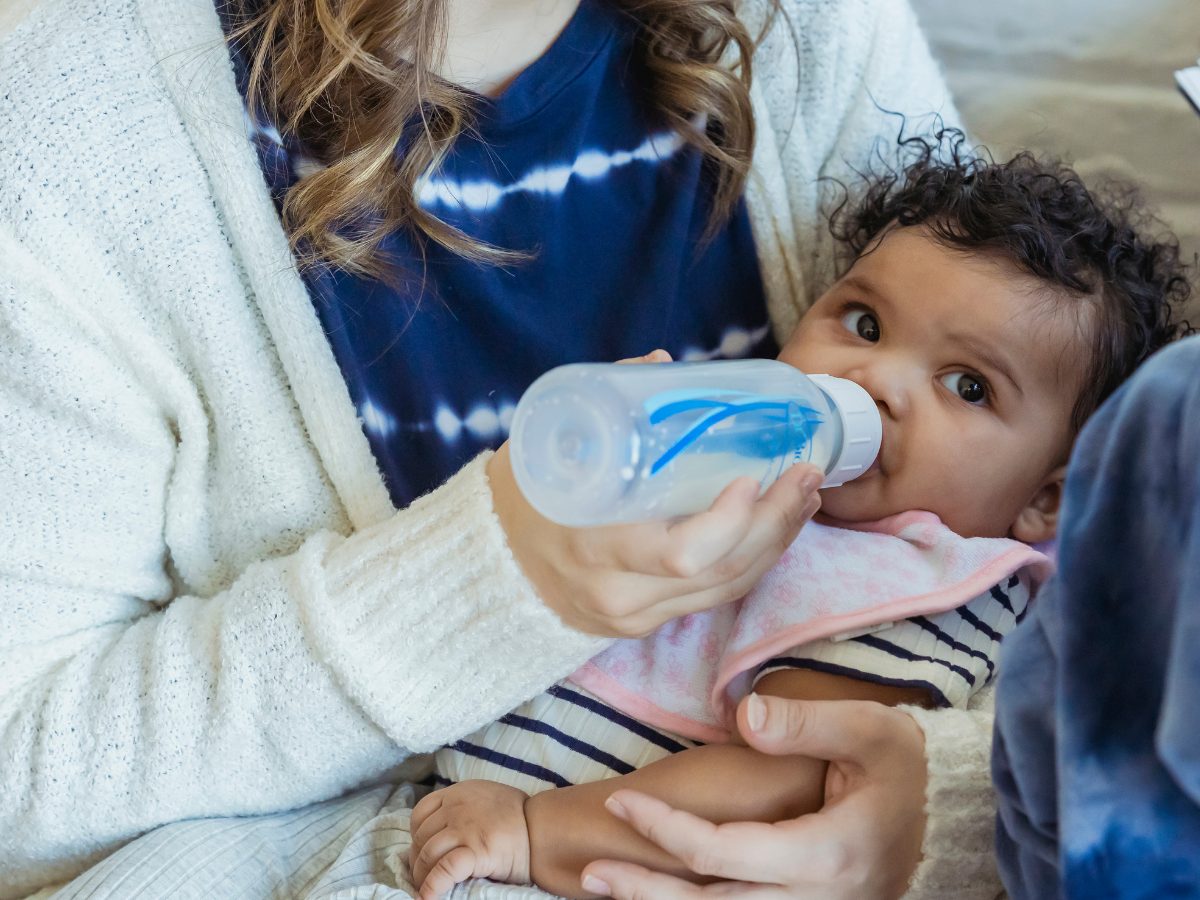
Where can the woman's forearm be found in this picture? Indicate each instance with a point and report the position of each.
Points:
(570, 827)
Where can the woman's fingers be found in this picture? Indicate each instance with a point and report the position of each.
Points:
(836, 730)
(738, 851)
(720, 550)
(654, 356)
(627, 580)
(628, 881)
(715, 545)
(658, 571)
(865, 842)
(685, 549)
(733, 577)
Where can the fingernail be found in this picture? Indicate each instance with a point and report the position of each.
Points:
(594, 885)
(614, 806)
(756, 712)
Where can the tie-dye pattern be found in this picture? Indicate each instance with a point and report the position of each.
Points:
(570, 166)
(1097, 753)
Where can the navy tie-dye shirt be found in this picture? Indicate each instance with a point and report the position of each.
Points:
(572, 167)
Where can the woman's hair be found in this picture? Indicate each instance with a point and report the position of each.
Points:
(1095, 246)
(352, 81)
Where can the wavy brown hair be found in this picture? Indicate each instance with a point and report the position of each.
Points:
(352, 81)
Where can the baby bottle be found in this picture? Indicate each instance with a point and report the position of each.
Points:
(598, 443)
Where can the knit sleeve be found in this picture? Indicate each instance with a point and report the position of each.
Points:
(883, 84)
(127, 701)
(835, 83)
(958, 851)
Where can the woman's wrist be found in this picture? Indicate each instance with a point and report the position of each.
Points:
(519, 521)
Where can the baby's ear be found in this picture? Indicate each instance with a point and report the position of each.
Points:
(1038, 521)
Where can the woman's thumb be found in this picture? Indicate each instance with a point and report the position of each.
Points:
(822, 729)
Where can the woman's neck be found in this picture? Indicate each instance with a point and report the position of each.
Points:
(490, 42)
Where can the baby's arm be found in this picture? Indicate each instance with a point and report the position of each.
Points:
(941, 659)
(570, 827)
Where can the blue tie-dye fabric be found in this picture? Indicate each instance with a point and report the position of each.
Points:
(1097, 754)
(570, 166)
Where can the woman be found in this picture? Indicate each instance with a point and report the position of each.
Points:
(222, 596)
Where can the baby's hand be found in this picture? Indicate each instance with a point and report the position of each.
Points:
(473, 829)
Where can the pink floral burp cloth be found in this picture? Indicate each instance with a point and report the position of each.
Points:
(688, 676)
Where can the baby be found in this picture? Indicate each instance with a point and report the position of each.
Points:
(988, 308)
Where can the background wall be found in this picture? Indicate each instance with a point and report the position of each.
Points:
(1091, 80)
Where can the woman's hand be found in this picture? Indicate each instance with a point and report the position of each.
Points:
(626, 580)
(864, 844)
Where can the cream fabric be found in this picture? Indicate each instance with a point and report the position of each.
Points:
(209, 607)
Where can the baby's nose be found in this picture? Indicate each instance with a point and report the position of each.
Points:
(888, 386)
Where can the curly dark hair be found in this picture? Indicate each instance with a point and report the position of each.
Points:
(1092, 245)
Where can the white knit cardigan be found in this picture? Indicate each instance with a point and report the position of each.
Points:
(209, 605)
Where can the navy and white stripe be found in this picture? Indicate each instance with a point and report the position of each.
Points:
(569, 736)
(951, 655)
(562, 737)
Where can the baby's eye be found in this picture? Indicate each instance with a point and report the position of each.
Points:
(969, 387)
(862, 323)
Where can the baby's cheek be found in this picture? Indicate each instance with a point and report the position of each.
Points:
(980, 509)
(862, 500)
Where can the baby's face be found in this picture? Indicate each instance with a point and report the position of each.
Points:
(975, 370)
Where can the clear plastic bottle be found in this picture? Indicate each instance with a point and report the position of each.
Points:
(598, 443)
